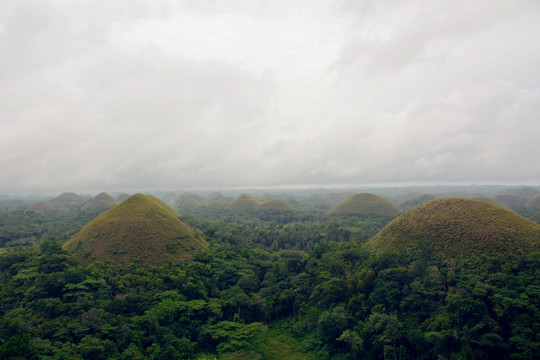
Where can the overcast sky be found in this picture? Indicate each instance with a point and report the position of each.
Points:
(123, 95)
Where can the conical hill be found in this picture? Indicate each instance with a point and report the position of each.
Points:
(101, 201)
(190, 201)
(68, 200)
(141, 229)
(274, 205)
(458, 229)
(243, 202)
(365, 204)
(42, 206)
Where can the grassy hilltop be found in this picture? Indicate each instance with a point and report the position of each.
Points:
(245, 202)
(141, 228)
(102, 201)
(365, 204)
(459, 229)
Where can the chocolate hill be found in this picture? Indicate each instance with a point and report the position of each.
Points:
(458, 229)
(407, 204)
(68, 200)
(42, 206)
(275, 205)
(242, 203)
(190, 201)
(365, 204)
(101, 201)
(488, 200)
(534, 203)
(510, 201)
(245, 202)
(141, 229)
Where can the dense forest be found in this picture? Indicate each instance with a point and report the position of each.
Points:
(271, 285)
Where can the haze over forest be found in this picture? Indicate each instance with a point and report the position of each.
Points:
(127, 96)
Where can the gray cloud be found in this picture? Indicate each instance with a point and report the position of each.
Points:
(144, 95)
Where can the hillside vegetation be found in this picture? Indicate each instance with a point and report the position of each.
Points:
(458, 229)
(141, 229)
(365, 204)
(291, 285)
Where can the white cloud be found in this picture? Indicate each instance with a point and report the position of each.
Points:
(145, 95)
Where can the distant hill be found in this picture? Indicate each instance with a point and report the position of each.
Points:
(42, 206)
(408, 196)
(458, 229)
(216, 204)
(242, 203)
(169, 198)
(365, 204)
(534, 203)
(407, 204)
(510, 201)
(141, 229)
(276, 205)
(524, 192)
(68, 200)
(216, 196)
(102, 201)
(122, 197)
(164, 204)
(488, 200)
(190, 201)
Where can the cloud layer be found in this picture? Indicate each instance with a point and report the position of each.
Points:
(147, 95)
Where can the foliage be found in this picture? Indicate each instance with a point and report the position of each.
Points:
(243, 297)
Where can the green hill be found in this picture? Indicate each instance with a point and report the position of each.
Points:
(122, 197)
(68, 200)
(216, 196)
(488, 200)
(216, 204)
(458, 229)
(243, 202)
(101, 201)
(365, 204)
(142, 228)
(524, 192)
(534, 203)
(510, 201)
(407, 204)
(191, 201)
(42, 206)
(276, 205)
